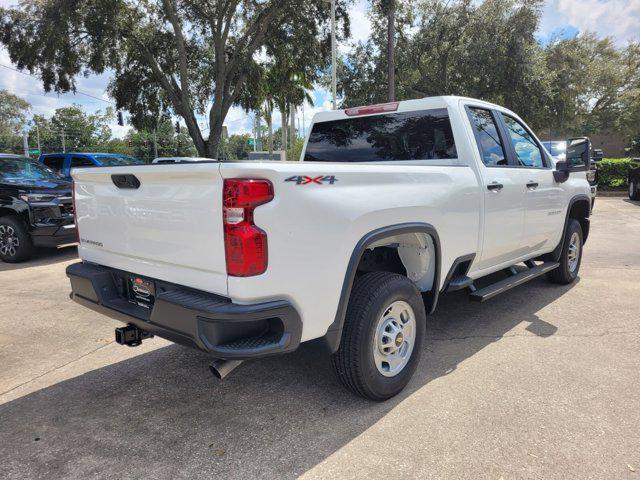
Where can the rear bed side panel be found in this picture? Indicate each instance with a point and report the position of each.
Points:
(170, 228)
(313, 228)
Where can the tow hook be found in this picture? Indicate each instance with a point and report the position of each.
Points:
(221, 368)
(131, 336)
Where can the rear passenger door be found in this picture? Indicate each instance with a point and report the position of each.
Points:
(503, 190)
(543, 196)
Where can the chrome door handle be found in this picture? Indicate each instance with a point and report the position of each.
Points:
(532, 185)
(495, 187)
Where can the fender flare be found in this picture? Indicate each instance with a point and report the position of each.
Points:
(555, 254)
(334, 332)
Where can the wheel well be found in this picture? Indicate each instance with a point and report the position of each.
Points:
(410, 254)
(581, 210)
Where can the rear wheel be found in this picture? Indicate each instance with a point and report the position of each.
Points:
(15, 242)
(382, 337)
(570, 257)
(634, 194)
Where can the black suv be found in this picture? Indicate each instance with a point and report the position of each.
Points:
(36, 208)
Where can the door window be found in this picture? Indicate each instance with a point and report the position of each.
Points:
(488, 138)
(54, 163)
(528, 153)
(81, 162)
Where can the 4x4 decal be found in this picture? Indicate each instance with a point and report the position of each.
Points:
(320, 180)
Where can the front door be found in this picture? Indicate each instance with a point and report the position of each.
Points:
(543, 196)
(503, 185)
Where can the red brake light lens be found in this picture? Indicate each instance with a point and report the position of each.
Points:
(245, 244)
(367, 110)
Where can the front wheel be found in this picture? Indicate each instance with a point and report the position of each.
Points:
(15, 242)
(634, 194)
(382, 337)
(571, 255)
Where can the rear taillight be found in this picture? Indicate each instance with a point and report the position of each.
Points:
(245, 244)
(75, 210)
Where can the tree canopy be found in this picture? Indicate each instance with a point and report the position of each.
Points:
(186, 56)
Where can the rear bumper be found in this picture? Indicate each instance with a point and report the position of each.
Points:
(201, 320)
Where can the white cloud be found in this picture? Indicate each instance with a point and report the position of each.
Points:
(616, 18)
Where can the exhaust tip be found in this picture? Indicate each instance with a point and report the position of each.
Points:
(221, 368)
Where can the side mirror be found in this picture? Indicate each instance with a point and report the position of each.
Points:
(578, 154)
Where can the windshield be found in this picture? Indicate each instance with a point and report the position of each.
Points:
(17, 170)
(116, 161)
(556, 148)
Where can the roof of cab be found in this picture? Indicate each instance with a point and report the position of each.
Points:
(442, 101)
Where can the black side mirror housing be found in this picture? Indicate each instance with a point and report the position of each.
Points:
(578, 157)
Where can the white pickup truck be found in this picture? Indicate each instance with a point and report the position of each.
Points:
(390, 206)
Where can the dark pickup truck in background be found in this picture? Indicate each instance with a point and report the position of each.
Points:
(36, 208)
(634, 179)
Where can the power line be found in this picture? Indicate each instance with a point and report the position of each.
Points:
(75, 92)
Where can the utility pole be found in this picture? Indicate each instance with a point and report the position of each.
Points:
(64, 148)
(391, 35)
(155, 143)
(292, 130)
(25, 143)
(333, 54)
(38, 136)
(304, 128)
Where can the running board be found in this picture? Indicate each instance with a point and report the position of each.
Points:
(513, 281)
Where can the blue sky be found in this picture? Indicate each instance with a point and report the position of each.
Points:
(619, 19)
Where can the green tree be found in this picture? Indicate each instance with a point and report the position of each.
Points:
(237, 147)
(192, 57)
(13, 117)
(72, 129)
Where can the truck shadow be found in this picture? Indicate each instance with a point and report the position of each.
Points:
(43, 257)
(161, 415)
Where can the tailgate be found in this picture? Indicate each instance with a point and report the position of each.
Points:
(169, 228)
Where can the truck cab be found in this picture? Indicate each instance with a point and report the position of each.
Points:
(62, 163)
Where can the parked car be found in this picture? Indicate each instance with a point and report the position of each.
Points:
(36, 208)
(634, 179)
(558, 148)
(62, 163)
(392, 206)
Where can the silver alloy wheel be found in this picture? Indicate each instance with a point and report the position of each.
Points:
(394, 339)
(9, 241)
(574, 252)
(632, 189)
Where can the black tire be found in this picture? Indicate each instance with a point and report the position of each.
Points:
(634, 191)
(12, 229)
(564, 274)
(354, 362)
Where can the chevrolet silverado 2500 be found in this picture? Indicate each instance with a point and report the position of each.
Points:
(390, 206)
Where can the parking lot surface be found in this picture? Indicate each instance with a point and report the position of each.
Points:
(541, 382)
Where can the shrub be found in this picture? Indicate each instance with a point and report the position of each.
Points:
(613, 173)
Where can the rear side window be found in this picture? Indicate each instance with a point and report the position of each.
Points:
(54, 163)
(489, 142)
(81, 162)
(418, 135)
